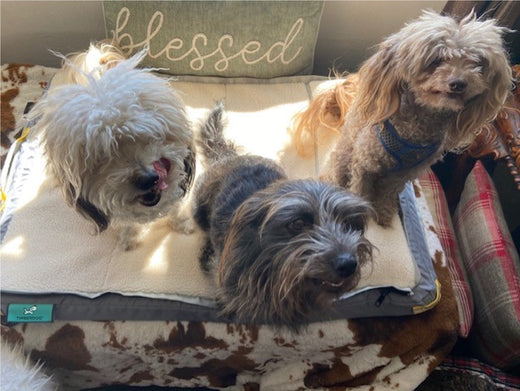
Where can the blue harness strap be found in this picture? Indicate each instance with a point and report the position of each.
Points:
(406, 154)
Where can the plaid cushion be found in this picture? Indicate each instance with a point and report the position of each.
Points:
(493, 269)
(475, 373)
(437, 204)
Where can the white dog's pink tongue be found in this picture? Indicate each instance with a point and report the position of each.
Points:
(160, 167)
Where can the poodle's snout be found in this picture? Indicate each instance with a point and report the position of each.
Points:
(457, 85)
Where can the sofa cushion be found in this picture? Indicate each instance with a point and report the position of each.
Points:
(493, 269)
(219, 38)
(438, 205)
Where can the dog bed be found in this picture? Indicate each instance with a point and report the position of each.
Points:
(148, 316)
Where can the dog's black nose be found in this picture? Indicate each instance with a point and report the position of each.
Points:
(146, 181)
(345, 265)
(457, 85)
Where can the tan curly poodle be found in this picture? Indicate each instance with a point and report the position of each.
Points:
(430, 88)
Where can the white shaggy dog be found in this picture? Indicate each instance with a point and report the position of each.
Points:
(19, 373)
(117, 140)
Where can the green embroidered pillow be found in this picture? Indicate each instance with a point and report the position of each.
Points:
(261, 39)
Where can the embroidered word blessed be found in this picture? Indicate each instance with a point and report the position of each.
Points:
(223, 53)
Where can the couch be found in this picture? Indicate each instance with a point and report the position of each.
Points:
(173, 336)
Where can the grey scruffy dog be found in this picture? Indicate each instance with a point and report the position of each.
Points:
(280, 250)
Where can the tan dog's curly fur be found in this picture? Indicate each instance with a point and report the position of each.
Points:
(438, 81)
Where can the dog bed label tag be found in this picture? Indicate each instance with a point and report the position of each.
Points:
(29, 313)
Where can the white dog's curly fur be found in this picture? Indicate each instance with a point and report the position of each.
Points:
(77, 67)
(430, 88)
(117, 140)
(19, 373)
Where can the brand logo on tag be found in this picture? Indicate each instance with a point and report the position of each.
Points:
(26, 313)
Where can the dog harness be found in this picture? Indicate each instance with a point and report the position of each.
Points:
(406, 154)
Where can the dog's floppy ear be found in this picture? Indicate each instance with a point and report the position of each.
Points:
(242, 240)
(379, 85)
(85, 208)
(92, 213)
(242, 251)
(486, 106)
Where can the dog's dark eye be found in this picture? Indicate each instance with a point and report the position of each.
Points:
(353, 225)
(435, 62)
(480, 66)
(299, 225)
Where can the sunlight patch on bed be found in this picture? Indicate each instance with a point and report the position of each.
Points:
(158, 262)
(14, 247)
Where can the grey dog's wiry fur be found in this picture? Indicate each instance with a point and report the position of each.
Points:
(280, 250)
(117, 140)
(438, 81)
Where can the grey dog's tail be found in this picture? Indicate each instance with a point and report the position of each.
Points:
(211, 141)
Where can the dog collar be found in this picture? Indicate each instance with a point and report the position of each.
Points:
(406, 154)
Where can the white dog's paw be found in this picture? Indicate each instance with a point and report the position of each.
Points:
(180, 220)
(127, 240)
(182, 223)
